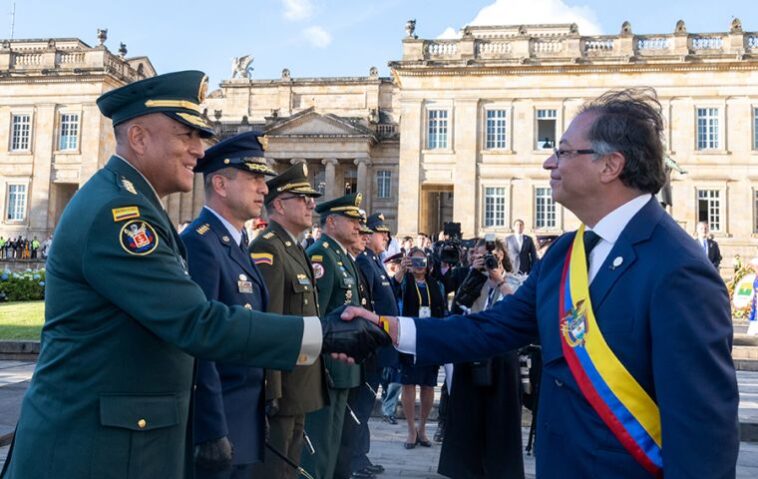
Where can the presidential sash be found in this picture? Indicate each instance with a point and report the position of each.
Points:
(626, 408)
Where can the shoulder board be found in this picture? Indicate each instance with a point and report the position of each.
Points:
(317, 257)
(268, 235)
(325, 245)
(125, 213)
(201, 230)
(128, 186)
(262, 258)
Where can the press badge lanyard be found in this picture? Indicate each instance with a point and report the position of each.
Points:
(423, 311)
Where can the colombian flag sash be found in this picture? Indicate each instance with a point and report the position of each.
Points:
(626, 408)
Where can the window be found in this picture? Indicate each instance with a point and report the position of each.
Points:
(21, 129)
(496, 129)
(16, 209)
(755, 128)
(436, 129)
(544, 214)
(383, 181)
(69, 133)
(707, 128)
(709, 208)
(546, 126)
(494, 207)
(351, 181)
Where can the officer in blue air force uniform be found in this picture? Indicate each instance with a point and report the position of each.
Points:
(229, 399)
(111, 393)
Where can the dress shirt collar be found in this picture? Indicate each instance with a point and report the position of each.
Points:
(610, 227)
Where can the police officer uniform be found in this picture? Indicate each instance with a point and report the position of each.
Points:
(228, 396)
(337, 283)
(288, 274)
(110, 396)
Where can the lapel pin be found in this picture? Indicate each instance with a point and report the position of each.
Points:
(225, 239)
(617, 261)
(243, 277)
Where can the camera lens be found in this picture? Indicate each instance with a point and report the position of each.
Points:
(490, 262)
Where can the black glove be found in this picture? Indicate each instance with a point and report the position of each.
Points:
(357, 338)
(215, 455)
(272, 407)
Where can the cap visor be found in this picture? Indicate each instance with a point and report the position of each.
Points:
(192, 120)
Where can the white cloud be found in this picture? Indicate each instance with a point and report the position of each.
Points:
(525, 12)
(297, 9)
(450, 33)
(317, 36)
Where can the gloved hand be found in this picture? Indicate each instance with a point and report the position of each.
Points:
(272, 407)
(357, 338)
(215, 455)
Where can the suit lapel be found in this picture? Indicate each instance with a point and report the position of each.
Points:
(294, 250)
(623, 255)
(232, 249)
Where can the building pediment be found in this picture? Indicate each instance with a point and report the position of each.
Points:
(310, 123)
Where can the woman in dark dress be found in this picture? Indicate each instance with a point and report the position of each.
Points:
(421, 296)
(483, 430)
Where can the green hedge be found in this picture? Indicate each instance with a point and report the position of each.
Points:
(25, 286)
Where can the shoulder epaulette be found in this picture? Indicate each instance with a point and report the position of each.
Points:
(201, 230)
(268, 235)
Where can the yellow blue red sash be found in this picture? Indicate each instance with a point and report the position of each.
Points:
(625, 407)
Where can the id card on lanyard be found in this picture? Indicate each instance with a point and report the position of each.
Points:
(424, 311)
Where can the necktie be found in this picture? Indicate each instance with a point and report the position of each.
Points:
(705, 246)
(590, 241)
(244, 241)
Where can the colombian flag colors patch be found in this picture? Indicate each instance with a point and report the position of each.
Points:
(125, 213)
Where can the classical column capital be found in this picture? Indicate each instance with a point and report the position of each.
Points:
(295, 161)
(362, 161)
(329, 161)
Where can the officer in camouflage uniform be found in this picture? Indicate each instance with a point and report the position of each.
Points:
(337, 282)
(288, 274)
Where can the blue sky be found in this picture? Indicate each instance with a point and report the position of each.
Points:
(329, 37)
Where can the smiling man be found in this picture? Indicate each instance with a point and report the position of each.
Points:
(111, 394)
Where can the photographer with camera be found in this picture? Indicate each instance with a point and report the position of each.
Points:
(483, 426)
(421, 296)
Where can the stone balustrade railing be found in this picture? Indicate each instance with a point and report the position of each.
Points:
(25, 61)
(573, 47)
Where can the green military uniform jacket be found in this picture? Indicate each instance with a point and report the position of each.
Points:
(337, 282)
(110, 397)
(287, 272)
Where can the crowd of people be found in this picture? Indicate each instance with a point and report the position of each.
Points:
(22, 247)
(205, 354)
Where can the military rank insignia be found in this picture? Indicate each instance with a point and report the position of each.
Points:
(137, 237)
(125, 213)
(262, 258)
(318, 270)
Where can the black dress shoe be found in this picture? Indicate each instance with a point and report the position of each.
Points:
(374, 468)
(390, 420)
(362, 474)
(424, 442)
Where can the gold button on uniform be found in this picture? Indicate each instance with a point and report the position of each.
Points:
(248, 306)
(142, 424)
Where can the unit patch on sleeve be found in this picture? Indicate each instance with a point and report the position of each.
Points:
(125, 213)
(262, 258)
(137, 237)
(318, 270)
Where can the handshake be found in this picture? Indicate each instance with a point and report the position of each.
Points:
(356, 338)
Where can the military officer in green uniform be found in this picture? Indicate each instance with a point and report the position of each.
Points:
(336, 279)
(288, 274)
(110, 396)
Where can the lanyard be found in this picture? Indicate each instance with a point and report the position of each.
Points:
(418, 293)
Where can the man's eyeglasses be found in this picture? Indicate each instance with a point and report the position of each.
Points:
(306, 199)
(569, 153)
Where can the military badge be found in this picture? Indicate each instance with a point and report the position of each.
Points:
(137, 237)
(318, 270)
(262, 258)
(128, 186)
(202, 92)
(574, 325)
(245, 287)
(125, 213)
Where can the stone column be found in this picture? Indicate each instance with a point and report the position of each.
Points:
(466, 182)
(409, 167)
(38, 189)
(363, 181)
(330, 177)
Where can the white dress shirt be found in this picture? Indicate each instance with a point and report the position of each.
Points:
(609, 229)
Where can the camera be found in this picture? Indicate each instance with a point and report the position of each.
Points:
(490, 260)
(450, 251)
(418, 262)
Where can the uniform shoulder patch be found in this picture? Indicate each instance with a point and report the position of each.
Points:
(202, 229)
(268, 235)
(262, 258)
(318, 270)
(128, 186)
(125, 213)
(138, 237)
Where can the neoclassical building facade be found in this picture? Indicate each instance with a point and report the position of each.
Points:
(460, 131)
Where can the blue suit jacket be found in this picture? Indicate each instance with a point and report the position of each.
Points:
(228, 397)
(665, 313)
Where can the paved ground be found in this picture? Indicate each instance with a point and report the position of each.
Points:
(387, 441)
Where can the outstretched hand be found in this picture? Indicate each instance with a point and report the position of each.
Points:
(352, 312)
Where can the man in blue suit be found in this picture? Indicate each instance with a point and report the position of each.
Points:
(228, 414)
(648, 292)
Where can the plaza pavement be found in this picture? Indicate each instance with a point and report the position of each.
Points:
(387, 440)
